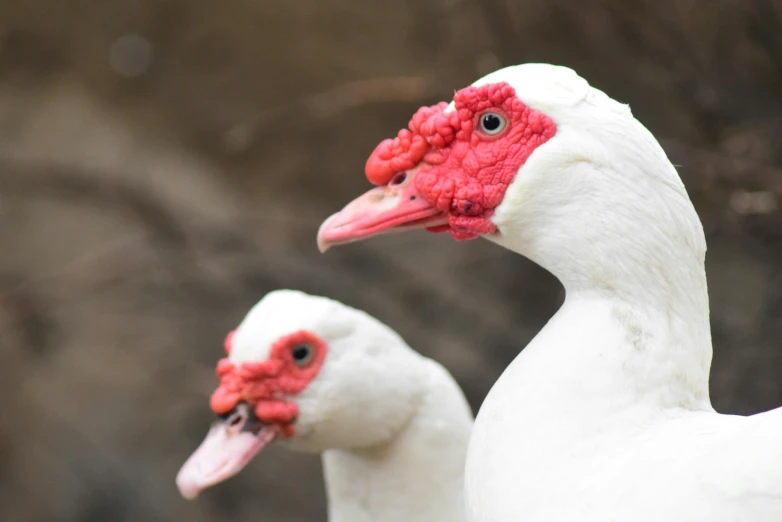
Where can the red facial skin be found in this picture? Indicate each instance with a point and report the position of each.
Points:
(263, 384)
(459, 171)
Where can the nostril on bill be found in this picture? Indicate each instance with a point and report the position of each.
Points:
(242, 419)
(236, 419)
(398, 179)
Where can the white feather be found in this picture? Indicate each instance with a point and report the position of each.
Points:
(392, 425)
(605, 415)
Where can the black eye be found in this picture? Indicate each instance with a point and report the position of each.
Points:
(302, 354)
(492, 123)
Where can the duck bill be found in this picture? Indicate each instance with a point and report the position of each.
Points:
(382, 210)
(224, 452)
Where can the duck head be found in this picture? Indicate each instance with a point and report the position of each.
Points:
(533, 158)
(310, 373)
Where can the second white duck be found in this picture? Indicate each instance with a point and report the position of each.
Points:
(319, 376)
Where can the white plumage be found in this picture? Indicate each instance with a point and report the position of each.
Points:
(605, 415)
(392, 425)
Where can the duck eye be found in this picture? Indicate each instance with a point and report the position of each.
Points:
(302, 354)
(492, 123)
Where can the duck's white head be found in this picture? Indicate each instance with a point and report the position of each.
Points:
(310, 372)
(534, 158)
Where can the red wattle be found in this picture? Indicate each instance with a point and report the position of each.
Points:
(429, 127)
(463, 171)
(265, 384)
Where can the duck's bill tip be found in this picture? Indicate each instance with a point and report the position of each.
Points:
(221, 455)
(382, 210)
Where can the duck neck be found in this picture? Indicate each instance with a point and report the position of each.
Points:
(634, 332)
(415, 476)
(629, 248)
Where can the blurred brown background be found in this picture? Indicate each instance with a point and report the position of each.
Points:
(163, 164)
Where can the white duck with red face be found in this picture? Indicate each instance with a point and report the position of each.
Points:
(319, 376)
(606, 414)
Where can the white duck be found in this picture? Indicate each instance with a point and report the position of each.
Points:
(605, 415)
(319, 376)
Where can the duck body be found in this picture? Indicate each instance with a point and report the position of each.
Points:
(611, 455)
(605, 415)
